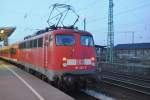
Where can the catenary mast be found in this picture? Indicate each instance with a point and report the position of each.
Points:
(110, 35)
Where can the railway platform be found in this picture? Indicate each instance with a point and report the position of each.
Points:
(16, 84)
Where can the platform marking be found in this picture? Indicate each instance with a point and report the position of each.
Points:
(29, 86)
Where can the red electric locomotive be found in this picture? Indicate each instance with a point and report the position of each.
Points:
(65, 56)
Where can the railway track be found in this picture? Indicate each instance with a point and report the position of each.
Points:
(125, 82)
(128, 76)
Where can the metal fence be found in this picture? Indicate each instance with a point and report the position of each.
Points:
(125, 68)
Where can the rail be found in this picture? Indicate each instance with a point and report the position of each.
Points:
(126, 84)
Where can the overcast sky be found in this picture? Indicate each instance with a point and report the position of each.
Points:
(129, 16)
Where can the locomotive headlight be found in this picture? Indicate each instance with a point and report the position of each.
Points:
(64, 59)
(92, 58)
(93, 61)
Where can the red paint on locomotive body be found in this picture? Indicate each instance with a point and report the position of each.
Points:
(75, 54)
(63, 51)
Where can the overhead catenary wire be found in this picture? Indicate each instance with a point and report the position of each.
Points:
(123, 12)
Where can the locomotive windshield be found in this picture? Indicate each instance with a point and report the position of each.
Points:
(87, 40)
(65, 40)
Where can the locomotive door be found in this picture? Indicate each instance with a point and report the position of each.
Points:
(46, 41)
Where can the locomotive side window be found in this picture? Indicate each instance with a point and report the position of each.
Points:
(50, 40)
(22, 45)
(40, 42)
(30, 43)
(27, 45)
(35, 43)
(65, 40)
(86, 40)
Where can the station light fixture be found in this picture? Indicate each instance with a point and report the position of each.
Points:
(2, 31)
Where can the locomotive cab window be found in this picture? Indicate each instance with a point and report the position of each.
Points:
(65, 40)
(86, 40)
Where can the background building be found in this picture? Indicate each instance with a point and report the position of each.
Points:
(141, 50)
(100, 52)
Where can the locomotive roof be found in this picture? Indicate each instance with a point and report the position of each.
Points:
(61, 30)
(71, 31)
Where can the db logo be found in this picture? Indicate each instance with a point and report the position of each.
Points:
(80, 62)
